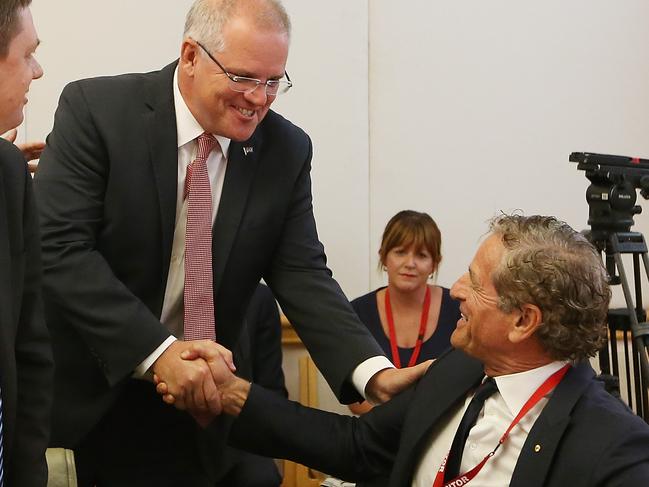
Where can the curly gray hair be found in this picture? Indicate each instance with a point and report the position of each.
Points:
(550, 265)
(206, 18)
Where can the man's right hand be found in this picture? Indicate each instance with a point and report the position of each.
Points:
(387, 383)
(191, 383)
(233, 390)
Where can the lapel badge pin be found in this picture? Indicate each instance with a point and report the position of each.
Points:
(247, 150)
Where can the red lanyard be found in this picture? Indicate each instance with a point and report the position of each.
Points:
(393, 334)
(463, 479)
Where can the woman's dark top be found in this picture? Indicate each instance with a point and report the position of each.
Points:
(368, 311)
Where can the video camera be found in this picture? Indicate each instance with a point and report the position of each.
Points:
(611, 195)
(611, 199)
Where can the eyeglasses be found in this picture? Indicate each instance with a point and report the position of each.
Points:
(246, 85)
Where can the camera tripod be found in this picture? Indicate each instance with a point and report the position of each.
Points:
(628, 326)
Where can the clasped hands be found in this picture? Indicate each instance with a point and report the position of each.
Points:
(188, 375)
(193, 375)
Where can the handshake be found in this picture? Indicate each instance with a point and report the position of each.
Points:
(198, 376)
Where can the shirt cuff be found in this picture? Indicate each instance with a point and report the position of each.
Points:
(141, 371)
(366, 370)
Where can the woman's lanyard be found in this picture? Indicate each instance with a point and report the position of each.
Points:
(393, 334)
(463, 479)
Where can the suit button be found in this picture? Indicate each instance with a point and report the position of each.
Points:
(537, 448)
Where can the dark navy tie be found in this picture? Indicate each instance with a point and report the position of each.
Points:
(485, 390)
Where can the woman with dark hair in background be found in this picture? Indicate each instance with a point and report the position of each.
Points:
(411, 319)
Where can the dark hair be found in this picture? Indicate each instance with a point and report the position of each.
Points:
(410, 228)
(550, 265)
(9, 22)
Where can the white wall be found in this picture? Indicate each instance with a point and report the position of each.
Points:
(461, 108)
(84, 38)
(329, 64)
(475, 107)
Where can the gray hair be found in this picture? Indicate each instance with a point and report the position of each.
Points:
(206, 18)
(550, 265)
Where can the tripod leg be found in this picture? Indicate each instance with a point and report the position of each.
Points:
(640, 359)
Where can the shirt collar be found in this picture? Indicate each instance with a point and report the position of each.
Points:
(516, 389)
(187, 128)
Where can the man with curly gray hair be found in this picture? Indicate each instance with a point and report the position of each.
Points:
(514, 403)
(549, 264)
(547, 278)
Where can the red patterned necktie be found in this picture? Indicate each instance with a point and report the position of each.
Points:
(198, 296)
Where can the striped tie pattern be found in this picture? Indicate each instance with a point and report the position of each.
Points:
(2, 450)
(198, 297)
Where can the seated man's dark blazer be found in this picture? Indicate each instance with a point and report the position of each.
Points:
(106, 188)
(585, 436)
(25, 354)
(265, 331)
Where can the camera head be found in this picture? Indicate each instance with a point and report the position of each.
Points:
(611, 195)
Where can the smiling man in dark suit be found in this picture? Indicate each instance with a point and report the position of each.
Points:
(137, 170)
(25, 355)
(533, 305)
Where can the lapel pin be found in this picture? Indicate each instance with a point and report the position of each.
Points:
(247, 150)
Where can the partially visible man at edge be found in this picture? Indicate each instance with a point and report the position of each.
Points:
(533, 304)
(115, 185)
(25, 355)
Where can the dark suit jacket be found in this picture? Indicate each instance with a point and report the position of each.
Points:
(586, 437)
(106, 187)
(265, 331)
(25, 354)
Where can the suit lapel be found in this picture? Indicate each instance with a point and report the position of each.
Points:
(448, 382)
(444, 385)
(160, 122)
(538, 452)
(243, 158)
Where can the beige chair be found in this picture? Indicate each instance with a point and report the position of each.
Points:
(62, 472)
(296, 475)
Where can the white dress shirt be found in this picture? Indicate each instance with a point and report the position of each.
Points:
(187, 130)
(499, 411)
